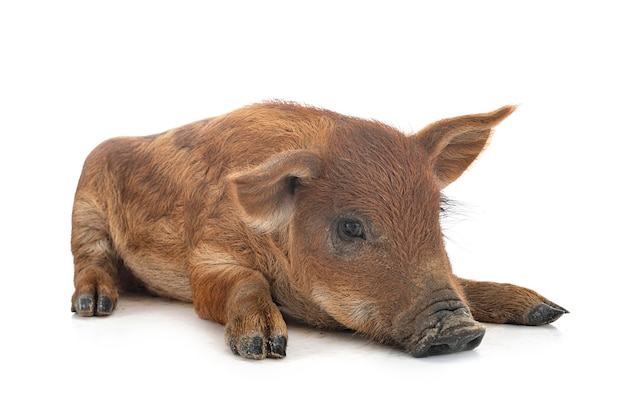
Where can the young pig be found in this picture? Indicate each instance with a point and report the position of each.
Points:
(333, 218)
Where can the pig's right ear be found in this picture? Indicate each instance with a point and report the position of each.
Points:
(265, 194)
(454, 143)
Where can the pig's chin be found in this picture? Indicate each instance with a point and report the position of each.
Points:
(349, 312)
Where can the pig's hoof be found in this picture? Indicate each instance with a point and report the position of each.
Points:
(257, 347)
(87, 305)
(84, 305)
(544, 313)
(278, 346)
(104, 306)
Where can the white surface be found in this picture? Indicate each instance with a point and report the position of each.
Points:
(542, 208)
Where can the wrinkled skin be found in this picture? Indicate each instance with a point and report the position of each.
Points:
(334, 219)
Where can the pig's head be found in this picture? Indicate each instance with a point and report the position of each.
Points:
(362, 215)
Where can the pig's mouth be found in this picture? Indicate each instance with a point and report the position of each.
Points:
(451, 331)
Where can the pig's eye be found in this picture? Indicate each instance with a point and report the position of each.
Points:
(350, 229)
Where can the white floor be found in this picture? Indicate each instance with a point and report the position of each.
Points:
(153, 352)
(543, 207)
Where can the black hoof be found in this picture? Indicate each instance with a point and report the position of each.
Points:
(105, 306)
(249, 347)
(545, 313)
(278, 347)
(85, 305)
(256, 347)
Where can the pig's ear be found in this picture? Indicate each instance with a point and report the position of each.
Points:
(453, 144)
(266, 194)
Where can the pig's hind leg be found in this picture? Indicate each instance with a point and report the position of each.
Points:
(95, 261)
(492, 302)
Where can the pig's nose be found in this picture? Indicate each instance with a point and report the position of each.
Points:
(454, 335)
(463, 341)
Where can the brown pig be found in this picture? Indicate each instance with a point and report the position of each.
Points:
(333, 219)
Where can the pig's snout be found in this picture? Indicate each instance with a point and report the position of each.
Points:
(450, 332)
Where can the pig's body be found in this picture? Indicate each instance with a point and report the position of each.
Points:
(334, 218)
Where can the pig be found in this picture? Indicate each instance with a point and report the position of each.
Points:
(280, 207)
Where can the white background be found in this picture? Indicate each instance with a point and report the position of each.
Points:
(543, 207)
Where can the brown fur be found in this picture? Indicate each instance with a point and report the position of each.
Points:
(243, 213)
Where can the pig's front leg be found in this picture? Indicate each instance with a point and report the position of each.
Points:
(492, 302)
(240, 298)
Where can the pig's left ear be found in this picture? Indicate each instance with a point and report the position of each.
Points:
(453, 144)
(266, 193)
